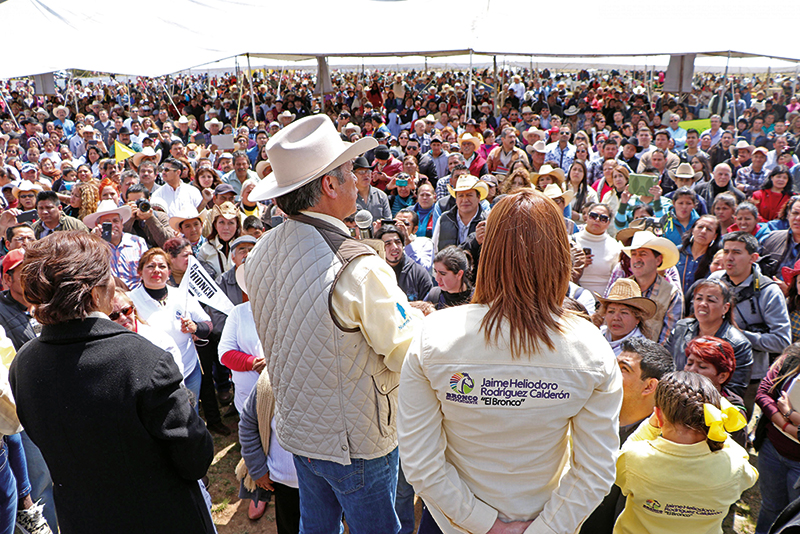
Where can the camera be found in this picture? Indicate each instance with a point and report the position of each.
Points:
(143, 204)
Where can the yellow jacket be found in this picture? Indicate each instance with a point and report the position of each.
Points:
(671, 487)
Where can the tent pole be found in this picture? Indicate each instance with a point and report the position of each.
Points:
(794, 80)
(725, 85)
(280, 79)
(166, 90)
(252, 92)
(469, 89)
(496, 86)
(72, 84)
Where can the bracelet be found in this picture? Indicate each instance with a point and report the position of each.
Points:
(787, 423)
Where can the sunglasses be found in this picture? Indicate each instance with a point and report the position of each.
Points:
(599, 217)
(124, 311)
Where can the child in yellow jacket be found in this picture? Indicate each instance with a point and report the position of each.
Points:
(680, 471)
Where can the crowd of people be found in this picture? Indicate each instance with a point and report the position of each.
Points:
(544, 305)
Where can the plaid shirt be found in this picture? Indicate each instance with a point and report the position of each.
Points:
(561, 157)
(125, 259)
(751, 179)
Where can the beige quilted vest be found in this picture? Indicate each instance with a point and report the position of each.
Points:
(335, 399)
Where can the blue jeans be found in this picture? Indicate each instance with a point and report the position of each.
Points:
(778, 479)
(41, 483)
(364, 490)
(404, 503)
(192, 383)
(8, 493)
(16, 455)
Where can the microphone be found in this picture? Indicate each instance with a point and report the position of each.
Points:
(364, 222)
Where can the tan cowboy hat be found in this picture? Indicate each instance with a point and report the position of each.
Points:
(636, 225)
(469, 138)
(627, 291)
(466, 182)
(685, 172)
(662, 245)
(533, 134)
(526, 109)
(107, 207)
(305, 150)
(185, 215)
(554, 191)
(538, 146)
(287, 114)
(548, 170)
(262, 167)
(26, 185)
(147, 152)
(741, 145)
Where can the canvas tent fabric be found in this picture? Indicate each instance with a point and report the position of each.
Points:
(154, 37)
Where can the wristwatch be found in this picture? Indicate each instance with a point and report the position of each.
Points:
(788, 414)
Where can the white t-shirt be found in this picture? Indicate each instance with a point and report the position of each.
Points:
(240, 334)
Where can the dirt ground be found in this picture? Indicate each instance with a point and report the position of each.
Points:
(230, 512)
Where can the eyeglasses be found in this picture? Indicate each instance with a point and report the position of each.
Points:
(598, 217)
(124, 311)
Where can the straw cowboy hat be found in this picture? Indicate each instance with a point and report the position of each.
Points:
(637, 225)
(147, 152)
(107, 207)
(665, 247)
(626, 291)
(570, 111)
(685, 172)
(469, 138)
(185, 215)
(554, 191)
(466, 182)
(305, 150)
(26, 185)
(548, 170)
(741, 145)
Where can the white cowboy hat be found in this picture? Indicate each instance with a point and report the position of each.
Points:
(570, 111)
(538, 146)
(185, 215)
(240, 278)
(533, 134)
(466, 182)
(685, 172)
(554, 191)
(287, 114)
(26, 185)
(65, 108)
(147, 152)
(107, 207)
(183, 120)
(647, 239)
(305, 150)
(214, 121)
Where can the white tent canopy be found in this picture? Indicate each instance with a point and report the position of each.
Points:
(156, 37)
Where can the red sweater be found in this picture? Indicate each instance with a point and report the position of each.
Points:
(769, 203)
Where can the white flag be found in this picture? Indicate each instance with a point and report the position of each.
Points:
(199, 284)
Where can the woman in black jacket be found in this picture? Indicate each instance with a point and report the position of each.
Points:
(105, 406)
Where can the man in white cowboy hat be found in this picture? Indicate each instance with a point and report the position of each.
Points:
(563, 153)
(286, 118)
(460, 222)
(335, 328)
(470, 145)
(214, 127)
(538, 151)
(51, 218)
(61, 113)
(502, 157)
(752, 177)
(126, 249)
(649, 255)
(177, 195)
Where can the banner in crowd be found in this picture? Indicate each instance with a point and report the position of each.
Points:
(201, 285)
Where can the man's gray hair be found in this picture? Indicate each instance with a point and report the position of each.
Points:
(308, 195)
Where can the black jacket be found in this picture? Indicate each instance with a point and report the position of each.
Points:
(124, 446)
(706, 190)
(15, 320)
(413, 279)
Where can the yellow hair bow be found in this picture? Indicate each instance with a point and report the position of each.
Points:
(720, 421)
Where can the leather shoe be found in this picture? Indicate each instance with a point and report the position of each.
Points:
(219, 428)
(225, 397)
(255, 511)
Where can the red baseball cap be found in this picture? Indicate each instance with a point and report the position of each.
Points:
(13, 259)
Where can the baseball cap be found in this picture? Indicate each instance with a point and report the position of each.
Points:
(221, 189)
(13, 259)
